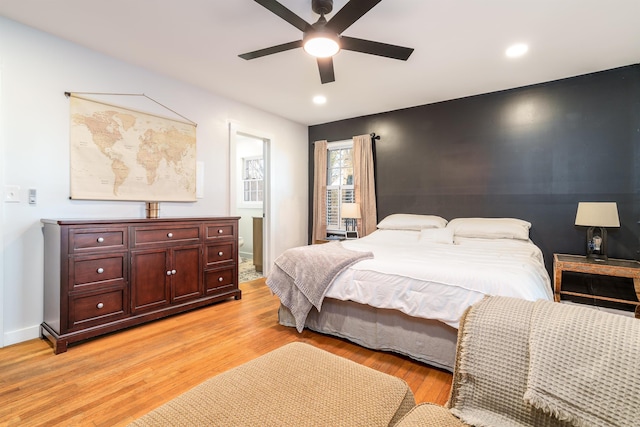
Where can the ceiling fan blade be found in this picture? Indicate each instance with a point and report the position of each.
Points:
(271, 50)
(375, 48)
(325, 65)
(285, 14)
(350, 13)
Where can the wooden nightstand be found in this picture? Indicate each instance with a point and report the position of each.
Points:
(611, 267)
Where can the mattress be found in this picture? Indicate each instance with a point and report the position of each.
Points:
(439, 281)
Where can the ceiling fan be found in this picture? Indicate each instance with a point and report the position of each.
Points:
(323, 39)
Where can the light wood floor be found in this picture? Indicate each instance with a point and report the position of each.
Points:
(115, 379)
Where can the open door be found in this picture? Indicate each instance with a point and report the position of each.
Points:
(249, 199)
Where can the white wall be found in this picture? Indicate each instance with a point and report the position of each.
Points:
(36, 69)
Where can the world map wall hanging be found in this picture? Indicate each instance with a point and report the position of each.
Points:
(122, 154)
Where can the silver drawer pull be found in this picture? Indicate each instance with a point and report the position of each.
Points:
(173, 272)
(169, 235)
(100, 305)
(220, 253)
(220, 279)
(100, 270)
(168, 272)
(100, 239)
(220, 231)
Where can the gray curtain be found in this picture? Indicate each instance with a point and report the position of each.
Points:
(319, 231)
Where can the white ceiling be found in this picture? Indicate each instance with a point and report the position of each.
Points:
(459, 47)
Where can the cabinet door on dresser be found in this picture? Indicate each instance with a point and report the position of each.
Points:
(166, 266)
(163, 276)
(186, 273)
(150, 279)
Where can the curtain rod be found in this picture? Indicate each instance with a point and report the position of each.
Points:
(372, 135)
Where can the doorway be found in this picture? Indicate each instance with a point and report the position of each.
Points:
(249, 199)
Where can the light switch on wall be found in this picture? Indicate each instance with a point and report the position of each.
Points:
(32, 196)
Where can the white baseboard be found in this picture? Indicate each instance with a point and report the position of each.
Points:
(21, 335)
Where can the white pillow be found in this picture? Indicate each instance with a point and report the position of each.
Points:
(411, 222)
(490, 228)
(437, 235)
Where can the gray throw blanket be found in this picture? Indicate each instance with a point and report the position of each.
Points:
(301, 276)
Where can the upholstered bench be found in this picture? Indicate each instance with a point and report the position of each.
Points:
(295, 385)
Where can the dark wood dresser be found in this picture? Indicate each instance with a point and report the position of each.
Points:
(101, 276)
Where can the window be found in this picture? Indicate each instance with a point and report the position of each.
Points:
(339, 182)
(253, 179)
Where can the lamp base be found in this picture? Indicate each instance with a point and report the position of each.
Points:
(597, 243)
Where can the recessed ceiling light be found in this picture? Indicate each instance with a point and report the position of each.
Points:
(516, 50)
(319, 99)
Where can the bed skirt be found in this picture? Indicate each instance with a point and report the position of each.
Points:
(428, 341)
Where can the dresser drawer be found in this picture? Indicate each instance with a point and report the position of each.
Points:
(96, 308)
(220, 280)
(220, 230)
(96, 239)
(88, 271)
(165, 235)
(219, 253)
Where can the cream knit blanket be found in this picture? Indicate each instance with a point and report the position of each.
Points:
(545, 364)
(584, 365)
(491, 366)
(301, 276)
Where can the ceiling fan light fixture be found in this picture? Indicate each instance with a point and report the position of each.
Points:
(321, 45)
(323, 39)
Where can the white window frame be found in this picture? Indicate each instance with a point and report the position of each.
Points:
(250, 203)
(336, 145)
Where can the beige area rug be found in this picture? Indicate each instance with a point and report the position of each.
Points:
(247, 271)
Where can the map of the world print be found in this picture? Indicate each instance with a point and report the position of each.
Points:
(122, 154)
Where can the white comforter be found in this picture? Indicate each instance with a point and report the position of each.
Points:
(439, 281)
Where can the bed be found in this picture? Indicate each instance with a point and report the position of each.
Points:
(411, 280)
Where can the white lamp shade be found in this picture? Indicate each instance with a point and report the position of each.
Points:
(350, 210)
(598, 214)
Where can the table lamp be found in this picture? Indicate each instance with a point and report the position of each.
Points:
(597, 216)
(351, 213)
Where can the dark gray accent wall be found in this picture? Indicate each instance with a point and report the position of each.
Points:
(532, 153)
